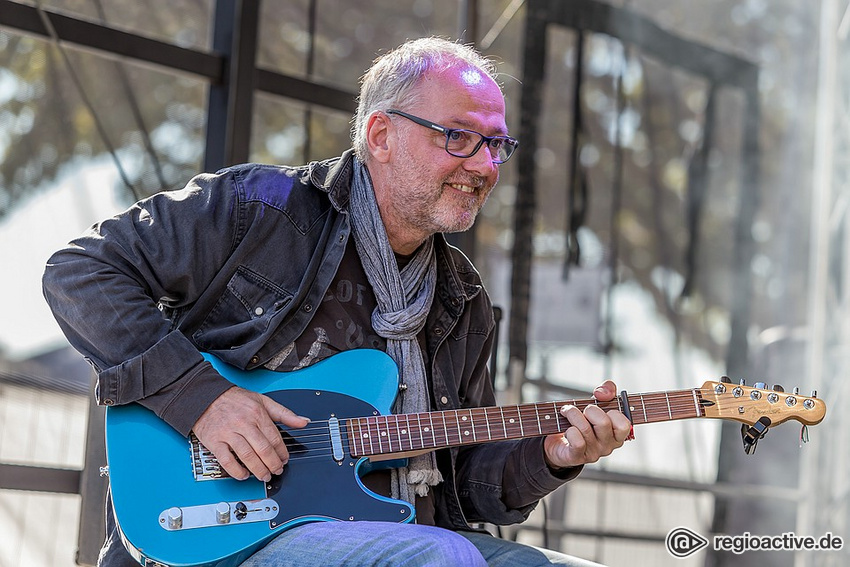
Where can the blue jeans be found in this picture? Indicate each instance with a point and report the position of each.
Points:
(364, 544)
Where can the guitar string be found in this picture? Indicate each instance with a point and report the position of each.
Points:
(678, 404)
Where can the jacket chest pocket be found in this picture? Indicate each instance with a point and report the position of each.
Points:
(243, 312)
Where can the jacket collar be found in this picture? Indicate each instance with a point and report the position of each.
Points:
(334, 176)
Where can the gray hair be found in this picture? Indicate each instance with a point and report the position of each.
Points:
(393, 76)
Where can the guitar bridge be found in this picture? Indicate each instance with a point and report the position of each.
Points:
(205, 466)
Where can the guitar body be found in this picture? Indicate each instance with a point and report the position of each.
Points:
(152, 475)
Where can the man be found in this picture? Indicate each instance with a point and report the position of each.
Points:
(279, 267)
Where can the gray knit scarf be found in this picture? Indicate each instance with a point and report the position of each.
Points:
(403, 302)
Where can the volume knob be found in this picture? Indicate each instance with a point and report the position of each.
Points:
(175, 518)
(222, 513)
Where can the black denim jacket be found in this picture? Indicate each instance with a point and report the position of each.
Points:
(234, 264)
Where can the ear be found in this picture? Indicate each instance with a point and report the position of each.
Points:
(378, 133)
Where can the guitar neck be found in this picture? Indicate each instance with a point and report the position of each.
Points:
(420, 432)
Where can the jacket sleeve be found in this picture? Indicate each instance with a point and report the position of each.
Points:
(502, 482)
(108, 290)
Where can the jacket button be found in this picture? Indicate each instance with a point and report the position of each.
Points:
(308, 308)
(444, 400)
(438, 331)
(258, 311)
(255, 359)
(109, 402)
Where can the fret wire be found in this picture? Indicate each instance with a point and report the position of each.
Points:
(537, 414)
(419, 424)
(360, 435)
(669, 409)
(409, 436)
(394, 419)
(369, 436)
(445, 429)
(487, 421)
(557, 411)
(352, 436)
(378, 430)
(504, 425)
(457, 423)
(433, 433)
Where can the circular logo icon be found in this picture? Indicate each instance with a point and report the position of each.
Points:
(682, 542)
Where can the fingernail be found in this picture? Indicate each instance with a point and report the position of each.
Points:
(266, 478)
(306, 418)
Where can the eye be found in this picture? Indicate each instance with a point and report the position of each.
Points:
(457, 136)
(497, 143)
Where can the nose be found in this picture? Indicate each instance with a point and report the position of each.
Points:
(481, 163)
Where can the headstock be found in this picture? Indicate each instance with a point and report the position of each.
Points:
(749, 404)
(759, 408)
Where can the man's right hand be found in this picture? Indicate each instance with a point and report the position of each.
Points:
(242, 424)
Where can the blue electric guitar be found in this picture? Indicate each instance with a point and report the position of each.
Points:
(175, 506)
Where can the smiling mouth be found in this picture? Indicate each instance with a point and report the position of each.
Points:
(469, 189)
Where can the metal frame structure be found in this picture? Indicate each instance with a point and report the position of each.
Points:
(229, 67)
(720, 70)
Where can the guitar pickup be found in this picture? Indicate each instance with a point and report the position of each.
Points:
(179, 518)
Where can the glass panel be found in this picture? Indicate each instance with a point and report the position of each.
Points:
(58, 175)
(349, 35)
(187, 23)
(279, 135)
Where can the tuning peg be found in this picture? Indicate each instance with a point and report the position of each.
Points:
(742, 382)
(814, 394)
(796, 391)
(778, 388)
(725, 379)
(759, 385)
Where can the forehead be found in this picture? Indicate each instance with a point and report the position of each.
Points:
(463, 97)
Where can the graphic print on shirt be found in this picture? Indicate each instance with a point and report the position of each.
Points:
(342, 321)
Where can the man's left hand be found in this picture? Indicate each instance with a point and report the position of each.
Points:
(592, 434)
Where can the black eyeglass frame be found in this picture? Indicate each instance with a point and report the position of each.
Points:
(507, 141)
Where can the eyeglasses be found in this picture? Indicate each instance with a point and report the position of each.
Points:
(466, 143)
